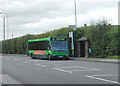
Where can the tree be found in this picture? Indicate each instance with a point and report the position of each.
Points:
(113, 36)
(19, 46)
(97, 34)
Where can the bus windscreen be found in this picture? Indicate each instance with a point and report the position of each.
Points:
(59, 45)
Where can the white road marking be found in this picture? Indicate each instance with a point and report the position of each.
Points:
(102, 79)
(37, 64)
(70, 71)
(36, 60)
(40, 65)
(62, 70)
(1, 80)
(6, 79)
(46, 64)
(43, 65)
(106, 75)
(78, 67)
(26, 61)
(53, 64)
(66, 67)
(17, 59)
(86, 70)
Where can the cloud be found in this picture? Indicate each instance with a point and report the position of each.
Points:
(37, 16)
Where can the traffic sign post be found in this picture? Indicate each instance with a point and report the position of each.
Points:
(71, 36)
(74, 28)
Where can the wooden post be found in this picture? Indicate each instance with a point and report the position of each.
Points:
(78, 49)
(86, 49)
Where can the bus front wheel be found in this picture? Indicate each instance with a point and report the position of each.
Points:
(49, 57)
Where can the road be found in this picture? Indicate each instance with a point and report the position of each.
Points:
(20, 69)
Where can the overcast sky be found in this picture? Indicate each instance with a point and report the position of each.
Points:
(38, 16)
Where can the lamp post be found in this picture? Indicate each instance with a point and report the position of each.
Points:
(75, 14)
(74, 40)
(74, 28)
(4, 25)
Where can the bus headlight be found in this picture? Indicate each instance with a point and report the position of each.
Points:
(54, 54)
(67, 56)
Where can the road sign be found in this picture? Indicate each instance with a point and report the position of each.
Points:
(71, 34)
(72, 26)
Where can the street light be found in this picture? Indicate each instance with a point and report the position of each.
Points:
(74, 40)
(74, 28)
(4, 25)
(75, 14)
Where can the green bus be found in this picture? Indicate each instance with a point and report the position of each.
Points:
(49, 48)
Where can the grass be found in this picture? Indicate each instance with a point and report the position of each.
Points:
(109, 57)
(114, 57)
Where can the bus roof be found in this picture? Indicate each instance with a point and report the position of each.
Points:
(45, 39)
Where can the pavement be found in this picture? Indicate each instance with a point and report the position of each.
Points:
(21, 69)
(117, 61)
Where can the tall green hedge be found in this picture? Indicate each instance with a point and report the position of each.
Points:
(104, 39)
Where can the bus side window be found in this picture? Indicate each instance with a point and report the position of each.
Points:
(48, 45)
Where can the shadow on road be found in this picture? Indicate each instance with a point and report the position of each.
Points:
(56, 59)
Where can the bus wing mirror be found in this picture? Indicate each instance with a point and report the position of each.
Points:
(49, 48)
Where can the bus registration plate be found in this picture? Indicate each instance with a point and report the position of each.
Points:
(60, 56)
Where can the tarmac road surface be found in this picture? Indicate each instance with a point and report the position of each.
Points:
(20, 69)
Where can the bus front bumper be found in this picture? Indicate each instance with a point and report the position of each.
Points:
(59, 57)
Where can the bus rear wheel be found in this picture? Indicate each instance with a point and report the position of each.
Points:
(32, 56)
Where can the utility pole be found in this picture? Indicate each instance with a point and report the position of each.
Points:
(74, 38)
(4, 27)
(74, 28)
(75, 13)
(7, 27)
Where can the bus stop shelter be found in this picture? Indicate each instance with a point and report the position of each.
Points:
(83, 46)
